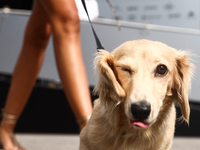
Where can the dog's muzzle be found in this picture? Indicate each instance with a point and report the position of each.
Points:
(140, 112)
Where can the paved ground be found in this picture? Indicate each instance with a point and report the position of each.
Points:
(71, 142)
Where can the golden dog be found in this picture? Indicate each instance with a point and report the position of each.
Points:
(138, 85)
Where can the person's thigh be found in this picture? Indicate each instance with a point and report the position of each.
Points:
(64, 11)
(38, 26)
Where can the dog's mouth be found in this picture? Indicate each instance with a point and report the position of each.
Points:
(139, 124)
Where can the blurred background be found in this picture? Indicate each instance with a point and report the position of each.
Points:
(176, 23)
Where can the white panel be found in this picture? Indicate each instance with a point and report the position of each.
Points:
(12, 29)
(179, 13)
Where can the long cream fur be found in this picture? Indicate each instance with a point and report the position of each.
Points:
(127, 75)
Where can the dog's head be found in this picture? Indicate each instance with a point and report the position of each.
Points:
(142, 75)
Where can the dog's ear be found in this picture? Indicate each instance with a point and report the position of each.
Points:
(182, 81)
(107, 75)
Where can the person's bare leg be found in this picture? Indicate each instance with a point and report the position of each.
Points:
(66, 38)
(27, 68)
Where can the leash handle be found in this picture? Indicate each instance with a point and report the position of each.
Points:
(98, 43)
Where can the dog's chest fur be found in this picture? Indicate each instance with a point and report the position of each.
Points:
(109, 130)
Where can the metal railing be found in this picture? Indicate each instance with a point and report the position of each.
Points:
(144, 26)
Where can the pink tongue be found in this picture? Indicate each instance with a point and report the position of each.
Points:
(140, 124)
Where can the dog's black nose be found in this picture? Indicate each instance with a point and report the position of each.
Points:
(140, 111)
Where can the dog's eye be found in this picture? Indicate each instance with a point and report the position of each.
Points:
(127, 70)
(161, 70)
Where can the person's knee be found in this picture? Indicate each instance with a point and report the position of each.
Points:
(66, 22)
(39, 36)
(73, 21)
